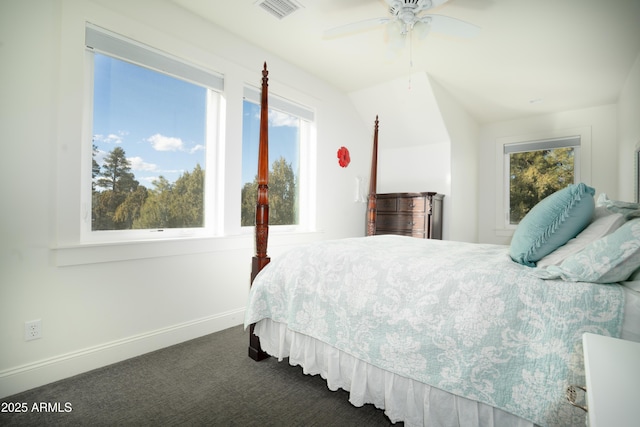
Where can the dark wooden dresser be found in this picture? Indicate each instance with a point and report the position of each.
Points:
(409, 214)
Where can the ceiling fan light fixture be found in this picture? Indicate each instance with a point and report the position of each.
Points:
(279, 8)
(396, 33)
(421, 28)
(406, 18)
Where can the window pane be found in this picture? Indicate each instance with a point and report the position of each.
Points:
(284, 158)
(535, 175)
(149, 136)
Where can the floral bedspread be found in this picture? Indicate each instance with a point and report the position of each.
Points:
(458, 316)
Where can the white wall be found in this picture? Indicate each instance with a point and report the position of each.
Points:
(408, 111)
(462, 204)
(415, 169)
(94, 313)
(629, 131)
(602, 124)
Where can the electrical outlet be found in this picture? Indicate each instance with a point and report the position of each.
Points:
(32, 330)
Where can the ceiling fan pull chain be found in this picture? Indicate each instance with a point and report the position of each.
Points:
(410, 58)
(411, 50)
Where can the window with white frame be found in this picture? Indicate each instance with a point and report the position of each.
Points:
(535, 169)
(154, 121)
(289, 144)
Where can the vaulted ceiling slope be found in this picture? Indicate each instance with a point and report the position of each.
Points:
(530, 57)
(408, 110)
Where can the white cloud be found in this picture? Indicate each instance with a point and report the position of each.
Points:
(166, 143)
(277, 119)
(99, 156)
(138, 164)
(172, 171)
(198, 147)
(112, 138)
(148, 180)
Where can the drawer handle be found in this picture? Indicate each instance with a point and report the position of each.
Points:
(572, 393)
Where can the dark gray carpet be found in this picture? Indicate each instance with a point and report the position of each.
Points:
(209, 381)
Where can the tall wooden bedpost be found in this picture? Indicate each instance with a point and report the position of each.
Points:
(261, 259)
(371, 207)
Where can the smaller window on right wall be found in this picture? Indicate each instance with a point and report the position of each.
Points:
(536, 169)
(533, 166)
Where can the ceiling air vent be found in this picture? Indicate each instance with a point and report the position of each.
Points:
(279, 8)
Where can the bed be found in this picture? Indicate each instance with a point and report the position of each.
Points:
(441, 333)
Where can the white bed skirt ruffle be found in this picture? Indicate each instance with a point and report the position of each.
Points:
(402, 399)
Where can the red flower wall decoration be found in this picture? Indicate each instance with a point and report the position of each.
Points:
(343, 157)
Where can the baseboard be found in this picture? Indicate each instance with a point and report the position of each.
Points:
(26, 377)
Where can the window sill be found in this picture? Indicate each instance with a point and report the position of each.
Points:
(95, 253)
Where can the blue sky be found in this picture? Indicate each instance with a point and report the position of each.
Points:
(283, 138)
(160, 121)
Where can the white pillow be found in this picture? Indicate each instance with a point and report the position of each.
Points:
(628, 209)
(612, 259)
(633, 282)
(600, 227)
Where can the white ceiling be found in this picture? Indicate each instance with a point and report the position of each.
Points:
(568, 54)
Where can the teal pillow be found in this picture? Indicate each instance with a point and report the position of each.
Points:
(551, 223)
(613, 258)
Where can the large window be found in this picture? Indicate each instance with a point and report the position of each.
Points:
(289, 140)
(536, 169)
(154, 122)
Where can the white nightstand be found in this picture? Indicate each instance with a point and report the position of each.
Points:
(613, 381)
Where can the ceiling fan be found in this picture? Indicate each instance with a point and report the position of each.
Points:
(406, 16)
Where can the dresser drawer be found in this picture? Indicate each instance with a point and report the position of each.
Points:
(399, 221)
(412, 204)
(387, 204)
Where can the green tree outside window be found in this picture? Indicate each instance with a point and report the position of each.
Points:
(534, 175)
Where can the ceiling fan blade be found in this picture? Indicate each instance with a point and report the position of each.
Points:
(354, 27)
(450, 26)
